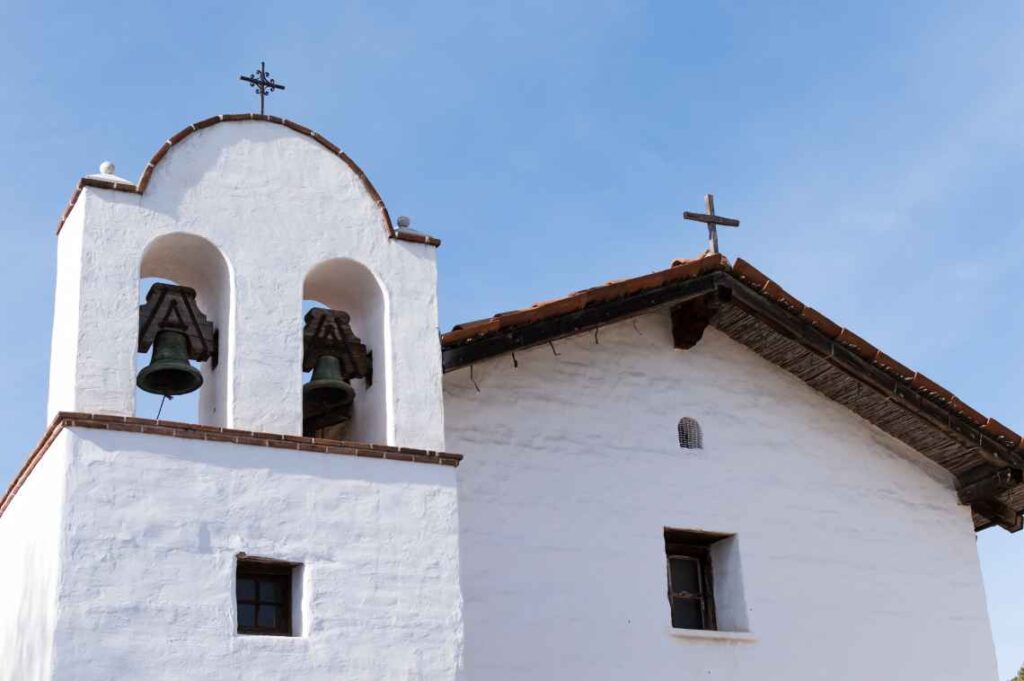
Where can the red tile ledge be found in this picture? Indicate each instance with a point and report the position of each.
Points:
(191, 431)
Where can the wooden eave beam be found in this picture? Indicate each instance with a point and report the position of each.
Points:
(980, 488)
(999, 514)
(474, 350)
(691, 317)
(856, 367)
(991, 485)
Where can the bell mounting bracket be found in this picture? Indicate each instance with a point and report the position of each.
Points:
(174, 308)
(327, 332)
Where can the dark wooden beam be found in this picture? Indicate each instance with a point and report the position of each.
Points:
(690, 318)
(473, 350)
(999, 514)
(841, 357)
(714, 219)
(990, 486)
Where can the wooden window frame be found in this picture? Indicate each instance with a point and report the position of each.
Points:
(696, 547)
(265, 570)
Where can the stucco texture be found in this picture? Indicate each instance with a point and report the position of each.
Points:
(152, 529)
(857, 561)
(30, 567)
(274, 204)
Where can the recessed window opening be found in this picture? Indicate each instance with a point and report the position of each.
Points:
(690, 435)
(265, 593)
(705, 589)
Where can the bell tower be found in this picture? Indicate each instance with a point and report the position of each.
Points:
(245, 218)
(305, 523)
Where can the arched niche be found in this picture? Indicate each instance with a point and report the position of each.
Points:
(190, 260)
(347, 285)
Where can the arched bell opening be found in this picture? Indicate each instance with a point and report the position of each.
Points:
(185, 296)
(344, 348)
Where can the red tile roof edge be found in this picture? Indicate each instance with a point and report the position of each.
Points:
(754, 279)
(193, 431)
(681, 269)
(147, 173)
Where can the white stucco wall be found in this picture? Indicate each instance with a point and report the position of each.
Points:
(30, 541)
(857, 562)
(275, 203)
(153, 527)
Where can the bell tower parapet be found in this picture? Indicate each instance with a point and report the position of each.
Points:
(257, 215)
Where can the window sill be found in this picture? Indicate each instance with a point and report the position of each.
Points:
(709, 635)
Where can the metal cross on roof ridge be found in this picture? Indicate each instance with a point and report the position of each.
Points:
(712, 221)
(263, 83)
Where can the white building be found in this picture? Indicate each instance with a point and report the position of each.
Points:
(635, 495)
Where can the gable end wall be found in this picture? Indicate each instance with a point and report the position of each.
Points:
(855, 556)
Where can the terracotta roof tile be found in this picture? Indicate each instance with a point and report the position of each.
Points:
(780, 296)
(857, 344)
(680, 270)
(822, 323)
(925, 385)
(749, 274)
(969, 422)
(998, 430)
(968, 412)
(895, 368)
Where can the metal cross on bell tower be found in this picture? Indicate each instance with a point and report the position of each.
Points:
(262, 82)
(712, 221)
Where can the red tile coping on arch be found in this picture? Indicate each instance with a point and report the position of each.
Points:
(140, 186)
(192, 431)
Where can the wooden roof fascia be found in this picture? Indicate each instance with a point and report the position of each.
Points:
(889, 386)
(757, 297)
(999, 514)
(463, 353)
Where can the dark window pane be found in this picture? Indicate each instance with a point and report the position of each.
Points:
(246, 590)
(246, 615)
(684, 575)
(271, 591)
(686, 613)
(268, 617)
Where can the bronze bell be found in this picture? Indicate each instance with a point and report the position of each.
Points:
(169, 372)
(173, 325)
(336, 356)
(328, 397)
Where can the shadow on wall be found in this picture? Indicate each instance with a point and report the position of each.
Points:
(190, 260)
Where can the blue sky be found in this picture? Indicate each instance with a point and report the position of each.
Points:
(872, 150)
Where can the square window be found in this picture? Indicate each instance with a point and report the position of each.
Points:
(263, 592)
(691, 594)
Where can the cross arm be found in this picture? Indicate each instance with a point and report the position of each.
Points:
(711, 219)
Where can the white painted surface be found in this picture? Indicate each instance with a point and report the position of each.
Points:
(702, 635)
(152, 529)
(857, 562)
(30, 540)
(275, 203)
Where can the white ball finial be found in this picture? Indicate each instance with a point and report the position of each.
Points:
(404, 222)
(107, 168)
